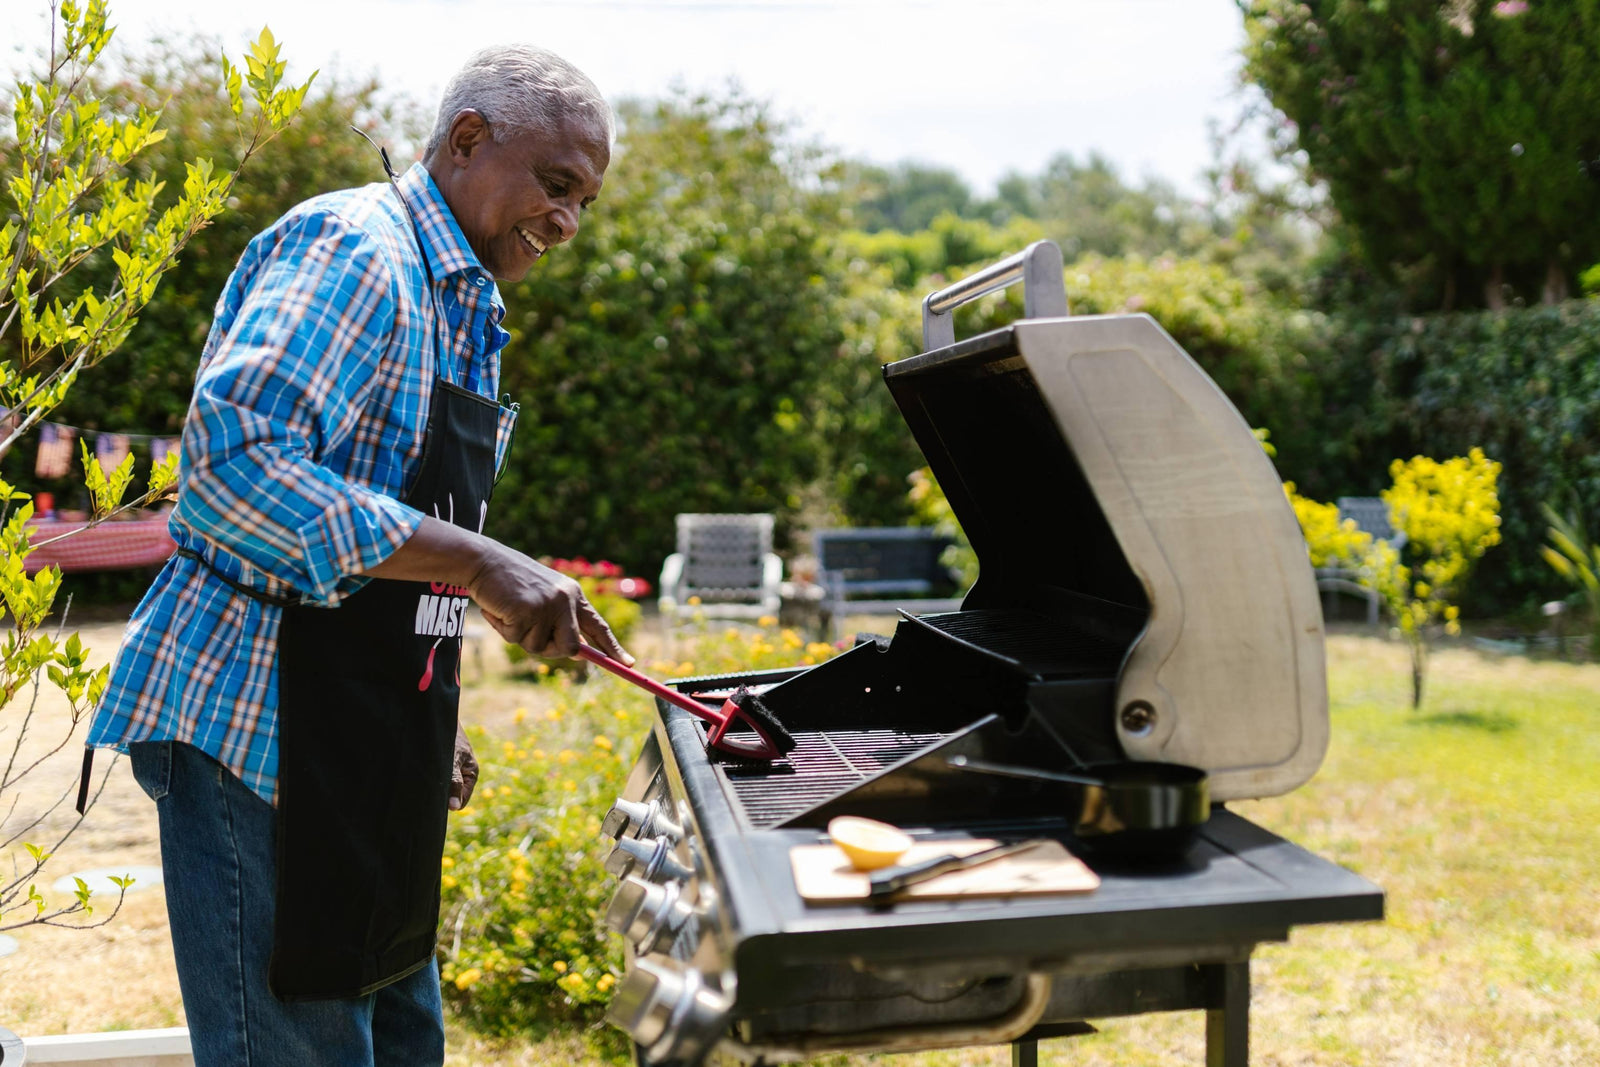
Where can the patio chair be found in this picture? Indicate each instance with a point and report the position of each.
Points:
(724, 562)
(1371, 515)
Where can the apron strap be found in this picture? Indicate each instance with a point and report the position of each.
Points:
(511, 435)
(83, 779)
(274, 599)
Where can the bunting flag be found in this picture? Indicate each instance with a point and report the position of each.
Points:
(160, 447)
(55, 451)
(111, 449)
(57, 456)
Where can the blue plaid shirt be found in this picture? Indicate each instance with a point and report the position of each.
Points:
(305, 433)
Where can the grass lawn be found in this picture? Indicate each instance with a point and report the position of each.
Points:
(1480, 817)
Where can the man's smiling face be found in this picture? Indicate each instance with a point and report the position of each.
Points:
(515, 199)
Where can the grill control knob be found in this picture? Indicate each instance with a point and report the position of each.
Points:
(640, 819)
(651, 917)
(668, 1010)
(648, 858)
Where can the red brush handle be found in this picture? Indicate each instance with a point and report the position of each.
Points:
(721, 719)
(694, 707)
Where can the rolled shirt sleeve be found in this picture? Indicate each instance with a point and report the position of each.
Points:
(280, 391)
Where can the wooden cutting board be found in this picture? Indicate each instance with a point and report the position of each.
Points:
(824, 875)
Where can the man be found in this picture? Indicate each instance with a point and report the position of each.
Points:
(287, 689)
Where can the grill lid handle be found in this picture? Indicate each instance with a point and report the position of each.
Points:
(1044, 291)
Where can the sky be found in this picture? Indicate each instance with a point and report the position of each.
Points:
(981, 86)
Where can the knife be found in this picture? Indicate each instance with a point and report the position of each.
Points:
(891, 880)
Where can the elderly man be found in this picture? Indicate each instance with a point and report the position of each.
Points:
(287, 690)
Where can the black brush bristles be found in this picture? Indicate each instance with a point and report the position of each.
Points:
(762, 715)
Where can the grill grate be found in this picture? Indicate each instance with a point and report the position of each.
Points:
(824, 764)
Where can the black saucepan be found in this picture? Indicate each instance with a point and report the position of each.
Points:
(1129, 809)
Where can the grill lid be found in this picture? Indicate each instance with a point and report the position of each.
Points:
(1100, 474)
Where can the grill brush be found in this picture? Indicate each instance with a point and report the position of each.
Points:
(743, 708)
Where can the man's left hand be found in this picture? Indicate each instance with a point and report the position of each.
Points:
(464, 772)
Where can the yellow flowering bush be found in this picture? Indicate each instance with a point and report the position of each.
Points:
(1331, 542)
(523, 882)
(1450, 513)
(932, 508)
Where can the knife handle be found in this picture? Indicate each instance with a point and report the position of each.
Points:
(891, 880)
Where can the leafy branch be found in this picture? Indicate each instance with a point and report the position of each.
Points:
(72, 203)
(70, 206)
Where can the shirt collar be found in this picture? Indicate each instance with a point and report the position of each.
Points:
(442, 240)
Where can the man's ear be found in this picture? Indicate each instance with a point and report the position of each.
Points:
(468, 131)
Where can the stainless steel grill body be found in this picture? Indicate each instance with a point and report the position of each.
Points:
(790, 981)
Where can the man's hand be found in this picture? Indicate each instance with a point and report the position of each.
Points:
(528, 603)
(538, 608)
(464, 772)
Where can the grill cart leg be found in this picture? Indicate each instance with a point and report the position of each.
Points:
(1227, 1014)
(1024, 1054)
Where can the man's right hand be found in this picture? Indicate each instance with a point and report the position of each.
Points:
(526, 602)
(539, 608)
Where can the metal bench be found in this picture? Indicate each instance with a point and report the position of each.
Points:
(1371, 515)
(879, 570)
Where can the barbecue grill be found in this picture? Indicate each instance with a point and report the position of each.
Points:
(1144, 594)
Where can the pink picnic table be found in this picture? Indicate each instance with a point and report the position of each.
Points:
(127, 544)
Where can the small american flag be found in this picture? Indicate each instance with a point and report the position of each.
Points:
(55, 451)
(111, 449)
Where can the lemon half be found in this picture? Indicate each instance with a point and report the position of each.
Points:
(868, 843)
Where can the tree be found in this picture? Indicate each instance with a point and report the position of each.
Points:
(1459, 139)
(906, 197)
(154, 370)
(1087, 208)
(1450, 514)
(72, 203)
(667, 359)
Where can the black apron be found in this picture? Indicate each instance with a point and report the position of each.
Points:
(367, 697)
(367, 701)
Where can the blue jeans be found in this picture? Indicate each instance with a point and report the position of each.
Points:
(217, 848)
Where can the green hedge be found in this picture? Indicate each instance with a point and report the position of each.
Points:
(1524, 385)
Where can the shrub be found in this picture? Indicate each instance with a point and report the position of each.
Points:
(1523, 385)
(1572, 555)
(1332, 542)
(523, 883)
(1450, 514)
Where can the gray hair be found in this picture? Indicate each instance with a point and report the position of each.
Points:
(521, 89)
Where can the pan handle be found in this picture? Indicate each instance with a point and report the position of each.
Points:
(1044, 291)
